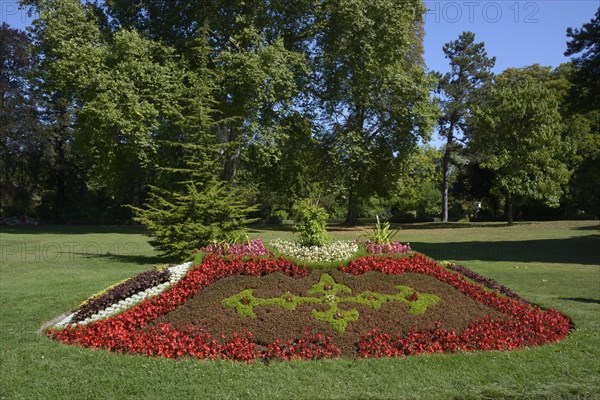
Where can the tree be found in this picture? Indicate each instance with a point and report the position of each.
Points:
(273, 60)
(108, 98)
(470, 69)
(121, 122)
(517, 132)
(373, 91)
(416, 193)
(255, 54)
(585, 43)
(291, 167)
(582, 104)
(65, 43)
(23, 145)
(190, 207)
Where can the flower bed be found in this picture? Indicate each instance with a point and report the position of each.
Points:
(387, 248)
(253, 248)
(522, 325)
(139, 283)
(124, 295)
(138, 330)
(335, 251)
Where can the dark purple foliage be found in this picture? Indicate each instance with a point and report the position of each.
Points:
(488, 282)
(123, 291)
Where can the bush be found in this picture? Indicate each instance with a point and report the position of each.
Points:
(312, 223)
(180, 222)
(277, 217)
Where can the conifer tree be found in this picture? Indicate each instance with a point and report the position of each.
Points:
(470, 69)
(190, 207)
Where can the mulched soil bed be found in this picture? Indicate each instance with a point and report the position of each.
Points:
(455, 310)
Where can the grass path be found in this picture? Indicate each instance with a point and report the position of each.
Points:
(47, 270)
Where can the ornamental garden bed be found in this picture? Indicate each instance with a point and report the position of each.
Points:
(251, 307)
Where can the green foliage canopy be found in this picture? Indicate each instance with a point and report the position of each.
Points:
(374, 90)
(518, 133)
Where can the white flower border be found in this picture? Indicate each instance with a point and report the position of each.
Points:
(176, 273)
(335, 251)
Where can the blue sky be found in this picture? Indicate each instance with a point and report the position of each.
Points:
(517, 33)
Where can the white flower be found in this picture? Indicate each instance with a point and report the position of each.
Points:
(329, 252)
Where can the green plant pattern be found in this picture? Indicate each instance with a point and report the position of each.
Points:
(328, 292)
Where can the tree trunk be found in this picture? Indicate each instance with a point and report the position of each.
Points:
(446, 174)
(61, 162)
(509, 209)
(352, 215)
(495, 206)
(233, 152)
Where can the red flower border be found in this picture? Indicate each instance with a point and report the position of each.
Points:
(522, 325)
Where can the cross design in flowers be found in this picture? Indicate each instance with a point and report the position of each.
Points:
(327, 292)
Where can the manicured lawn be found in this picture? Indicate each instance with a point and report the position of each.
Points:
(47, 270)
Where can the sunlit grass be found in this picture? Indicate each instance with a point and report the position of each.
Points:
(45, 271)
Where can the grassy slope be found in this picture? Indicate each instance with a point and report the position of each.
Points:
(46, 270)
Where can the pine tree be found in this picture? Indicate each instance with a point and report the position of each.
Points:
(470, 69)
(190, 207)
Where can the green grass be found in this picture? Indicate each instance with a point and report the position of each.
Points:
(47, 270)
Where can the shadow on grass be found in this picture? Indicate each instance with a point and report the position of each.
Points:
(426, 225)
(74, 229)
(580, 300)
(274, 228)
(342, 227)
(455, 225)
(580, 250)
(131, 258)
(588, 228)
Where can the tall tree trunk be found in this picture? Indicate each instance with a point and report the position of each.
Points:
(509, 208)
(59, 176)
(495, 206)
(62, 133)
(352, 215)
(446, 173)
(233, 152)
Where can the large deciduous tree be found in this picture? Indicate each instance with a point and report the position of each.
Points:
(23, 146)
(470, 69)
(517, 131)
(255, 53)
(65, 38)
(343, 81)
(582, 104)
(136, 92)
(375, 95)
(416, 192)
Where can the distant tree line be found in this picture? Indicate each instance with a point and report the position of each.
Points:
(235, 111)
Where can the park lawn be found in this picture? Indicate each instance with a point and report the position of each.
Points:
(45, 271)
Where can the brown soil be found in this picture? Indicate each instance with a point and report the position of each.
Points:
(454, 310)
